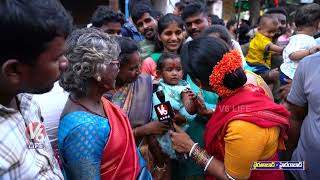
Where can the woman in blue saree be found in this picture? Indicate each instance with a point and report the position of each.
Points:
(94, 137)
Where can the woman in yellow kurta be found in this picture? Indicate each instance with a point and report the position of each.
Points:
(247, 125)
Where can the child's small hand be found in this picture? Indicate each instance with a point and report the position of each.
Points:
(188, 97)
(190, 93)
(274, 74)
(314, 49)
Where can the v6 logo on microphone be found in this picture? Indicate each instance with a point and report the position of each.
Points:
(164, 111)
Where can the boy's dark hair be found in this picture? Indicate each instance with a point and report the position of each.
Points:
(262, 19)
(247, 22)
(127, 46)
(28, 26)
(134, 3)
(277, 10)
(307, 15)
(231, 22)
(180, 6)
(216, 20)
(140, 9)
(157, 14)
(164, 57)
(103, 15)
(186, 2)
(194, 9)
(221, 30)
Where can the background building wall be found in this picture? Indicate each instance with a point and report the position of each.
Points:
(167, 6)
(164, 6)
(82, 10)
(217, 8)
(228, 9)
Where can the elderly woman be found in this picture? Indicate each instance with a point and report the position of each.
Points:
(133, 94)
(95, 138)
(247, 125)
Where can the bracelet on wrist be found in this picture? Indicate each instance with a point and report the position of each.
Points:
(228, 176)
(208, 163)
(200, 156)
(194, 145)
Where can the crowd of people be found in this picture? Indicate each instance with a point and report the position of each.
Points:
(79, 103)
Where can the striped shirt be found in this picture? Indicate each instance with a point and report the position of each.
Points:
(25, 150)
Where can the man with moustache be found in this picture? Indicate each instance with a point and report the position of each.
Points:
(195, 16)
(145, 19)
(32, 37)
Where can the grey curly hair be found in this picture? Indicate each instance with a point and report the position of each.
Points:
(89, 51)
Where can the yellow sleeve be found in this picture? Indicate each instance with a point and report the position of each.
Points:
(244, 144)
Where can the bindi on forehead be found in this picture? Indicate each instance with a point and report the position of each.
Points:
(173, 63)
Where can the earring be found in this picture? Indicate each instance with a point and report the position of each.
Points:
(99, 78)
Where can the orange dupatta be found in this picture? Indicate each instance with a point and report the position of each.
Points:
(120, 159)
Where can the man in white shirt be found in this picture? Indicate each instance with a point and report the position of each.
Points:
(51, 105)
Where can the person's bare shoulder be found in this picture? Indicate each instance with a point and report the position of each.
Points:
(257, 80)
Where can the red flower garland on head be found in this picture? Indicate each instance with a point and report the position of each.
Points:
(229, 63)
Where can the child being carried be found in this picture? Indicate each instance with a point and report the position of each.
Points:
(177, 92)
(261, 47)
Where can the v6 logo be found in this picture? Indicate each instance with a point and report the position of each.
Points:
(36, 131)
(162, 109)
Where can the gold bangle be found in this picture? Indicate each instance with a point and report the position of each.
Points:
(200, 156)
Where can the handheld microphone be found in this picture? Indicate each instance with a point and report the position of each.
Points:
(164, 110)
(165, 114)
